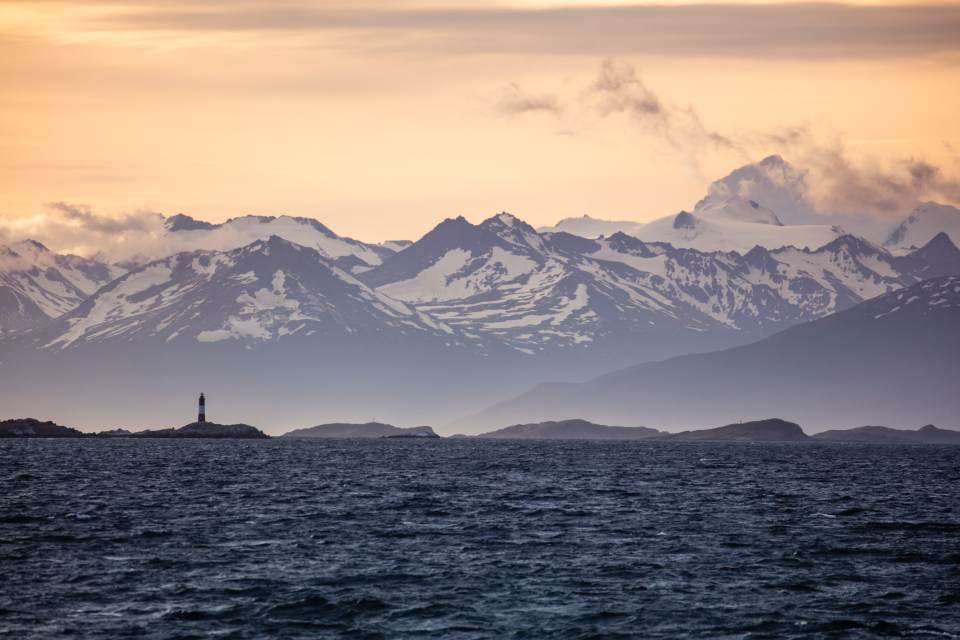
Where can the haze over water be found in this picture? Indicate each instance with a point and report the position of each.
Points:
(468, 539)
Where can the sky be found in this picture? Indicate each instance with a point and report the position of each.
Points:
(382, 118)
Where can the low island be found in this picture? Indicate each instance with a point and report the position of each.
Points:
(770, 430)
(575, 429)
(366, 430)
(885, 435)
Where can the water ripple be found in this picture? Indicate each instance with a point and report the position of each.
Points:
(468, 539)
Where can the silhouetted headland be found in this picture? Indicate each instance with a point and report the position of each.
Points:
(33, 428)
(770, 430)
(883, 435)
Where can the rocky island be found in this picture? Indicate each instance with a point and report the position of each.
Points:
(885, 435)
(33, 428)
(204, 430)
(769, 430)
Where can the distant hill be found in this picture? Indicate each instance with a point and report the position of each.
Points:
(32, 428)
(925, 435)
(570, 430)
(770, 430)
(893, 358)
(353, 430)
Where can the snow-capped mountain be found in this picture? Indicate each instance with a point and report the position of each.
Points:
(723, 228)
(540, 293)
(395, 245)
(736, 209)
(762, 204)
(772, 182)
(891, 360)
(183, 233)
(264, 291)
(587, 227)
(451, 322)
(936, 259)
(497, 283)
(37, 284)
(277, 327)
(925, 222)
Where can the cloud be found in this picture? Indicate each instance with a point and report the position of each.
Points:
(74, 228)
(81, 217)
(827, 183)
(618, 89)
(515, 101)
(887, 191)
(802, 29)
(823, 183)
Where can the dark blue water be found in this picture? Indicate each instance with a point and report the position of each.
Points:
(467, 539)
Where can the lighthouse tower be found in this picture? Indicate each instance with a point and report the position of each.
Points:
(202, 415)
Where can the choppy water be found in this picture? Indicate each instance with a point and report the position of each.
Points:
(466, 539)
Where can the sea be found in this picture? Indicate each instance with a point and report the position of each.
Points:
(464, 538)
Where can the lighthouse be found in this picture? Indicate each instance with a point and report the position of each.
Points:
(202, 414)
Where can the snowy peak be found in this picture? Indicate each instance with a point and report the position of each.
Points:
(182, 222)
(275, 221)
(936, 296)
(267, 291)
(939, 257)
(24, 254)
(737, 209)
(514, 230)
(27, 246)
(184, 233)
(588, 227)
(922, 225)
(272, 245)
(37, 284)
(853, 245)
(773, 183)
(623, 243)
(761, 204)
(476, 256)
(507, 223)
(732, 224)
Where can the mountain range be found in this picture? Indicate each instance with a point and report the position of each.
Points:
(283, 312)
(768, 204)
(37, 285)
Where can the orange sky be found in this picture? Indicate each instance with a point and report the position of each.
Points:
(382, 118)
